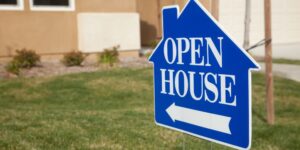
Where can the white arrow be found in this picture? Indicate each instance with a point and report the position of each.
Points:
(199, 118)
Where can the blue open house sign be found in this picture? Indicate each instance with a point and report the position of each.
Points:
(202, 78)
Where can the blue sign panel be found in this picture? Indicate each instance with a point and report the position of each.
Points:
(202, 78)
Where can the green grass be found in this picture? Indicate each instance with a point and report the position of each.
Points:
(114, 110)
(286, 61)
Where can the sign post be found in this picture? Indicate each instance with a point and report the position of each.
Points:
(202, 78)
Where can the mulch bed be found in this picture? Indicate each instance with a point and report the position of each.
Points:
(45, 69)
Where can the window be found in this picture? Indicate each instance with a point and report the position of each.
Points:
(52, 5)
(11, 5)
(8, 2)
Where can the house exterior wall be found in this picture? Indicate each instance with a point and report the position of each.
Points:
(50, 32)
(148, 10)
(106, 5)
(285, 20)
(56, 32)
(45, 32)
(285, 25)
(99, 31)
(150, 13)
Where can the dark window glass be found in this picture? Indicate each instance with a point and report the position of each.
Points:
(51, 2)
(8, 2)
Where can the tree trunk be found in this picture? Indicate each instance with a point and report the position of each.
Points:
(268, 61)
(247, 25)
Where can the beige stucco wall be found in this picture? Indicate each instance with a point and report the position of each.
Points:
(50, 32)
(285, 20)
(45, 32)
(285, 25)
(100, 31)
(150, 13)
(106, 5)
(149, 20)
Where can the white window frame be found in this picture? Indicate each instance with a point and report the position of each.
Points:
(18, 7)
(71, 7)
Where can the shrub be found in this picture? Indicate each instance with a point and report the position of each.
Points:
(73, 58)
(154, 43)
(23, 59)
(26, 58)
(109, 56)
(148, 54)
(13, 67)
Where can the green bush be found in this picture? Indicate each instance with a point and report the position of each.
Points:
(13, 67)
(26, 58)
(73, 58)
(154, 43)
(23, 59)
(148, 54)
(109, 56)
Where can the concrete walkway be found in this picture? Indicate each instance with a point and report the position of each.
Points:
(284, 70)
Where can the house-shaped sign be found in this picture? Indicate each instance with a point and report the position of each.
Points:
(202, 78)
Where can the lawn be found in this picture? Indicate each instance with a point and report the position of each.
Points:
(284, 61)
(114, 110)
